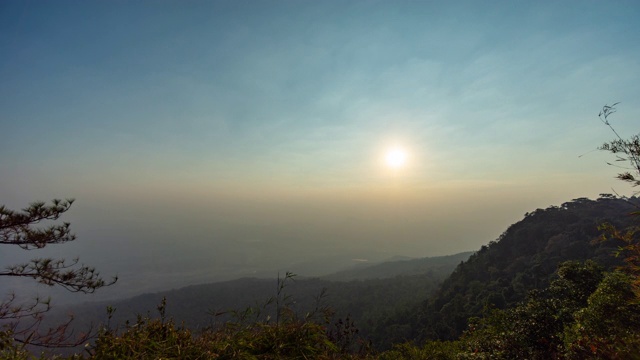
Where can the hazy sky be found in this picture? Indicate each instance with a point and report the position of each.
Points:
(211, 127)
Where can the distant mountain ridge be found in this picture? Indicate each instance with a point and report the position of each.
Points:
(389, 269)
(417, 299)
(366, 295)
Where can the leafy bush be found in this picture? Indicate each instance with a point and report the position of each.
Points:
(288, 337)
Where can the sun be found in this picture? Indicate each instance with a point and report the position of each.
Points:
(396, 158)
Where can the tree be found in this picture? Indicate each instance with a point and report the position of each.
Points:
(608, 327)
(625, 150)
(20, 321)
(534, 329)
(604, 342)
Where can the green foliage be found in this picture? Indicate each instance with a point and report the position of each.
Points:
(609, 325)
(145, 339)
(431, 350)
(250, 336)
(582, 314)
(287, 338)
(10, 349)
(629, 249)
(524, 258)
(534, 329)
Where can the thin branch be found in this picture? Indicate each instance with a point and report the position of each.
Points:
(58, 272)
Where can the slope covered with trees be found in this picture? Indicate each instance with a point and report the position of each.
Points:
(525, 257)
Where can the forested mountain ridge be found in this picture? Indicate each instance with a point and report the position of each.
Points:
(523, 258)
(532, 254)
(440, 265)
(367, 294)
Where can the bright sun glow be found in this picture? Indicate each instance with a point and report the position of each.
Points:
(396, 158)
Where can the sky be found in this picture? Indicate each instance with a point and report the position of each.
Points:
(209, 139)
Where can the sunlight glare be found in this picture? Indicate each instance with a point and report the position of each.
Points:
(396, 158)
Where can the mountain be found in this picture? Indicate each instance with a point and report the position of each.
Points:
(365, 295)
(442, 265)
(523, 258)
(406, 300)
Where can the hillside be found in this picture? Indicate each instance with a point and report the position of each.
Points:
(523, 258)
(406, 300)
(367, 295)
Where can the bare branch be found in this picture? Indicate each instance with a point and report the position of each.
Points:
(58, 272)
(625, 150)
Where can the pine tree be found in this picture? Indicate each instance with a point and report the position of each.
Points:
(21, 320)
